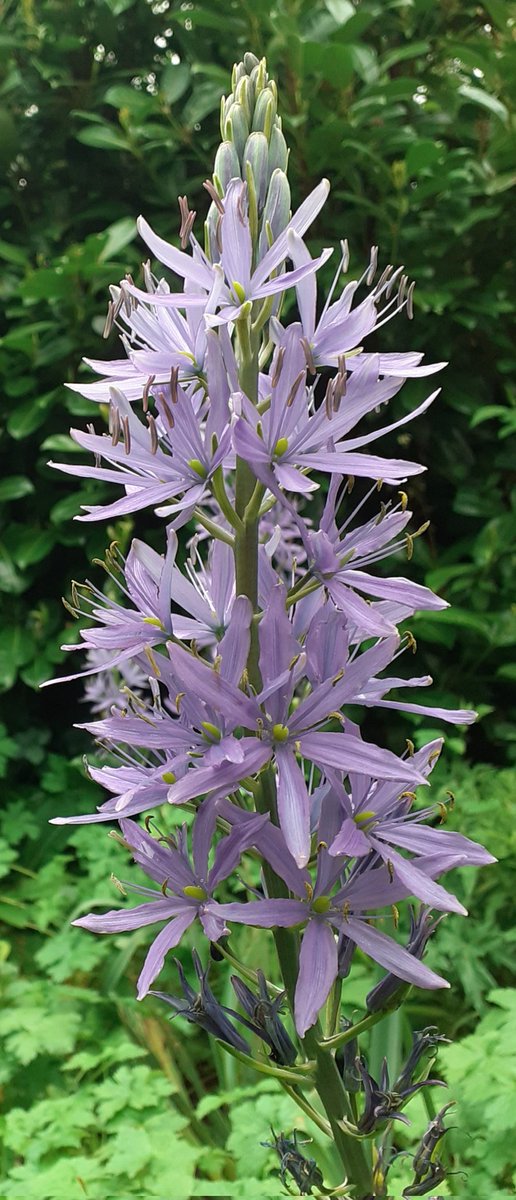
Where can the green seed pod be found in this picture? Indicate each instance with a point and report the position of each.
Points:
(237, 129)
(278, 152)
(256, 154)
(226, 164)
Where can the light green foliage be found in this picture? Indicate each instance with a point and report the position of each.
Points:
(481, 1071)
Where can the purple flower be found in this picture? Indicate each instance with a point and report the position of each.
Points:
(186, 887)
(276, 733)
(290, 437)
(231, 283)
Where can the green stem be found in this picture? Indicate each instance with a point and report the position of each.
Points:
(328, 1081)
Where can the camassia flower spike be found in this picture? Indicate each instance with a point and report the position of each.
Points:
(245, 642)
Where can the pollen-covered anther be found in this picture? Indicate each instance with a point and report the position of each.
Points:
(280, 733)
(403, 500)
(395, 915)
(118, 884)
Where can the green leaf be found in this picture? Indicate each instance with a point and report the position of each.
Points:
(340, 10)
(13, 487)
(102, 137)
(422, 153)
(118, 235)
(13, 254)
(476, 95)
(26, 417)
(174, 81)
(29, 544)
(204, 100)
(139, 104)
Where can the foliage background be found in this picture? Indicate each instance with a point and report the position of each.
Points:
(108, 108)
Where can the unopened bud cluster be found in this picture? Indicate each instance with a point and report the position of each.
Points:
(254, 149)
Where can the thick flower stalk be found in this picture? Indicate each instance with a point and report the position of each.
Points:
(247, 653)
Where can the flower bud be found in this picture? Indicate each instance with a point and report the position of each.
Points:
(256, 155)
(276, 211)
(226, 164)
(236, 128)
(244, 95)
(278, 152)
(265, 111)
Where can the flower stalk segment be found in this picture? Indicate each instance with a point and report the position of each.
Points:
(221, 672)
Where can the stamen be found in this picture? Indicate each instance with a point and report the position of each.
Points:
(127, 434)
(295, 388)
(277, 366)
(187, 221)
(410, 305)
(307, 350)
(214, 195)
(114, 424)
(241, 207)
(174, 376)
(109, 320)
(153, 433)
(373, 263)
(146, 389)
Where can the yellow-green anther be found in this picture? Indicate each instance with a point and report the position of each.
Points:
(322, 904)
(154, 621)
(280, 733)
(361, 818)
(211, 732)
(281, 447)
(196, 465)
(195, 893)
(168, 777)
